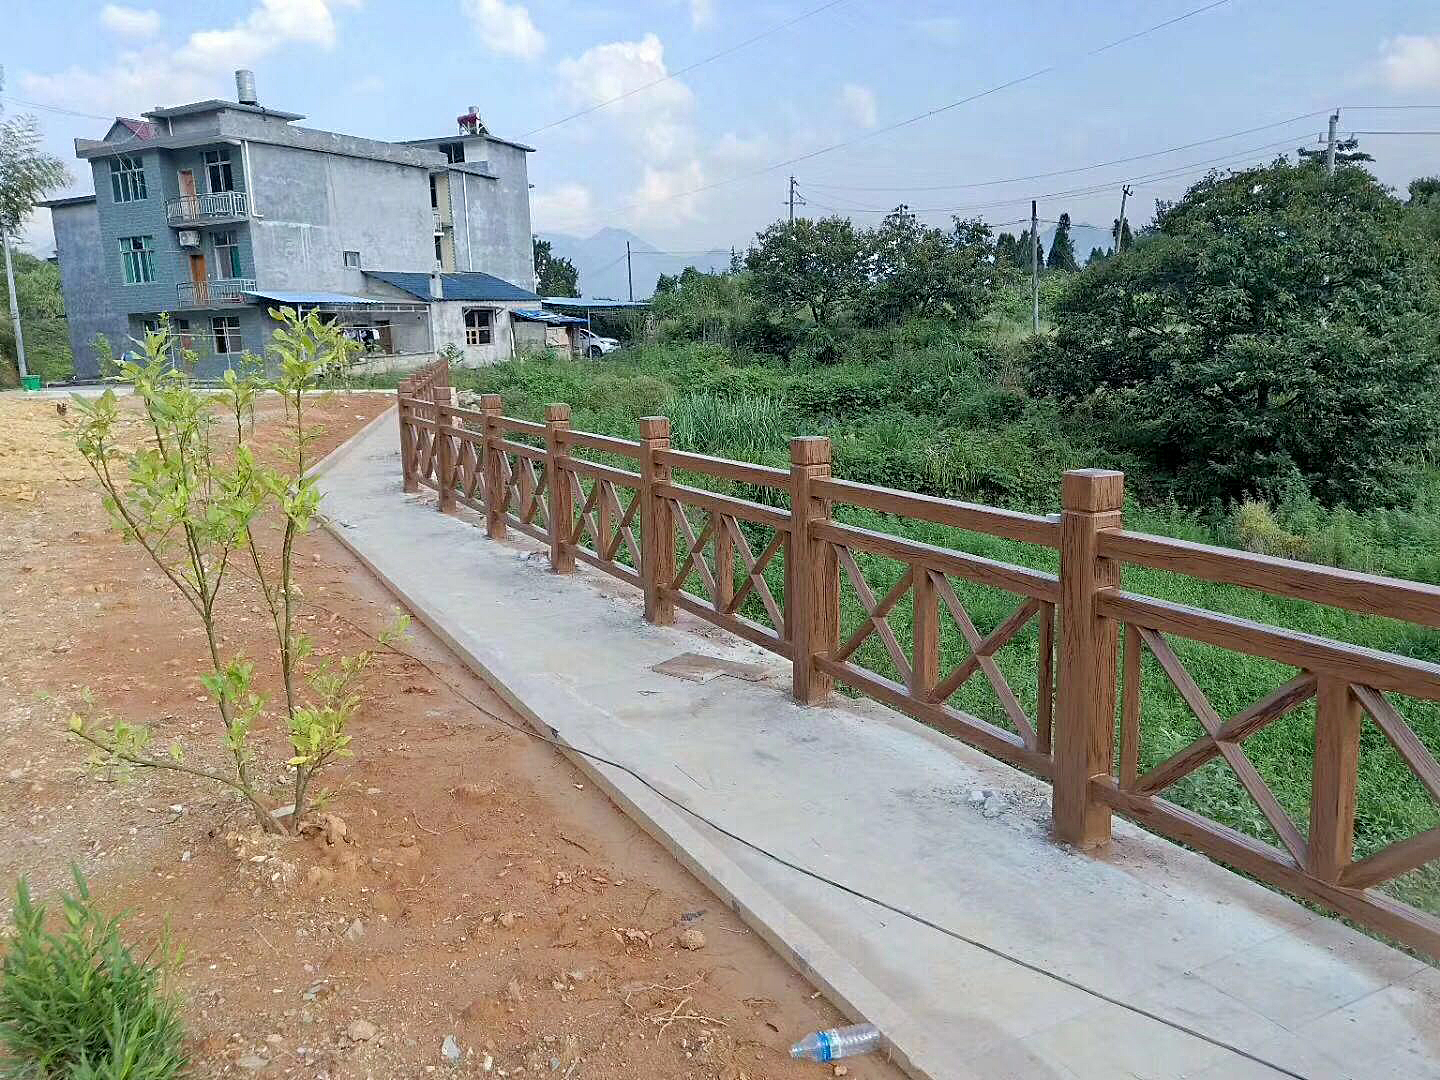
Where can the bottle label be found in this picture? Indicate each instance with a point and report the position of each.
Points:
(827, 1048)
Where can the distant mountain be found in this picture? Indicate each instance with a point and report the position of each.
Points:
(601, 262)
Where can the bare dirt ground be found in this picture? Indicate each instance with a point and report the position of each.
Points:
(481, 889)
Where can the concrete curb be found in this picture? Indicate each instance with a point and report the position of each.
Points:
(350, 445)
(799, 945)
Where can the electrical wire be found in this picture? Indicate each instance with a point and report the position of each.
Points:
(686, 69)
(55, 109)
(1038, 969)
(929, 113)
(1078, 168)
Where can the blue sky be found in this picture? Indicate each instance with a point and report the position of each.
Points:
(396, 69)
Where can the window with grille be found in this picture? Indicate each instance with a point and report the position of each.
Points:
(226, 331)
(479, 326)
(227, 254)
(127, 178)
(137, 259)
(352, 259)
(218, 175)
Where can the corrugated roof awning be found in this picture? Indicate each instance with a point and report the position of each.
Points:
(554, 319)
(319, 299)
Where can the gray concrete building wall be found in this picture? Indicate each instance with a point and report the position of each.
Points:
(90, 307)
(492, 215)
(310, 208)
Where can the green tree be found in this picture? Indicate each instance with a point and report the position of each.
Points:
(920, 271)
(554, 276)
(1276, 331)
(1007, 250)
(1097, 254)
(27, 173)
(1062, 248)
(1121, 235)
(807, 264)
(42, 318)
(1347, 152)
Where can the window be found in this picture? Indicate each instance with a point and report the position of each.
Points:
(218, 176)
(352, 259)
(227, 255)
(137, 259)
(454, 152)
(182, 331)
(434, 193)
(127, 178)
(439, 249)
(479, 323)
(226, 331)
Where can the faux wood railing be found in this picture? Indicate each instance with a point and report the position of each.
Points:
(708, 554)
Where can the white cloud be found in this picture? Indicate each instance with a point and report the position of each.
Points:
(663, 195)
(162, 74)
(702, 13)
(859, 102)
(367, 84)
(566, 207)
(506, 29)
(1411, 62)
(130, 22)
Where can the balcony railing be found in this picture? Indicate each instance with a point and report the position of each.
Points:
(214, 293)
(216, 206)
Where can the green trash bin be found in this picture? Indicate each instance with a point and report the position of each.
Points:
(30, 382)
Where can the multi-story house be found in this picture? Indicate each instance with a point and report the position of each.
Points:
(216, 212)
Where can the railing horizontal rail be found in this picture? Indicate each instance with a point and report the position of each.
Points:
(609, 445)
(525, 427)
(738, 625)
(623, 477)
(534, 453)
(976, 568)
(609, 566)
(1368, 594)
(741, 471)
(1354, 663)
(725, 504)
(1027, 528)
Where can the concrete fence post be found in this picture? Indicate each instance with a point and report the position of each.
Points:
(812, 574)
(657, 526)
(494, 480)
(560, 519)
(444, 449)
(1091, 502)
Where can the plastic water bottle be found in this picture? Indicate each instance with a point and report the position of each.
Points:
(837, 1043)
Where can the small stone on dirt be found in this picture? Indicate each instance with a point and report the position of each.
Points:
(252, 1062)
(842, 1070)
(692, 939)
(355, 931)
(994, 806)
(450, 1049)
(361, 1030)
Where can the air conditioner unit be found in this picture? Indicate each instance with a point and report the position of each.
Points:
(189, 238)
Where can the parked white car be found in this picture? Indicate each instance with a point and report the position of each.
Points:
(593, 345)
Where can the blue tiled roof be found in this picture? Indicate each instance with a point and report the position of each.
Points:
(468, 286)
(550, 317)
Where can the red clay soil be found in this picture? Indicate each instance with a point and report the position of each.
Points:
(468, 881)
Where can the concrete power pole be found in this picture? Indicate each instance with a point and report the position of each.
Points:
(1330, 144)
(1034, 267)
(792, 199)
(14, 306)
(629, 273)
(1120, 229)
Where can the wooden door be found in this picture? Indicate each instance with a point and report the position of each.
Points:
(187, 183)
(198, 277)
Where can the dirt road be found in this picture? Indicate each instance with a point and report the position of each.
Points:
(481, 888)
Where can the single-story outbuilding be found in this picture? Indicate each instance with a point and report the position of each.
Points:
(472, 311)
(534, 329)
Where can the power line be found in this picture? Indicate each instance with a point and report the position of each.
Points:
(56, 109)
(686, 69)
(877, 132)
(1078, 168)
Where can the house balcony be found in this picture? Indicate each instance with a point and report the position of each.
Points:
(219, 293)
(217, 206)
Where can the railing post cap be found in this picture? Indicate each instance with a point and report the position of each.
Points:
(491, 401)
(557, 413)
(654, 427)
(1092, 491)
(810, 450)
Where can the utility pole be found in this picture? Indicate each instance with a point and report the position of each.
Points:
(1034, 267)
(1330, 145)
(629, 273)
(1120, 229)
(792, 199)
(14, 305)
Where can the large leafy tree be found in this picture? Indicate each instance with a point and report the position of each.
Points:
(918, 270)
(1277, 329)
(1062, 247)
(554, 276)
(814, 265)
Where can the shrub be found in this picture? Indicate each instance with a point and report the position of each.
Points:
(1257, 530)
(76, 1003)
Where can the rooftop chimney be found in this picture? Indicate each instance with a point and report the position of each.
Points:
(437, 285)
(245, 87)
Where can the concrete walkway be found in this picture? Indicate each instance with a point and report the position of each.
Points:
(870, 799)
